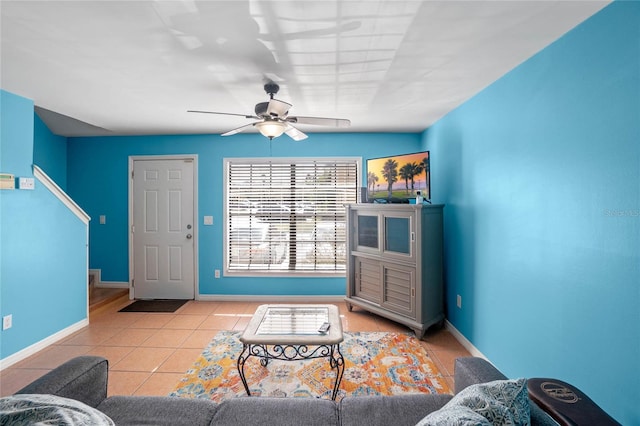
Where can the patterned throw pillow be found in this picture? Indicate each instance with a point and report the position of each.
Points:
(501, 402)
(29, 409)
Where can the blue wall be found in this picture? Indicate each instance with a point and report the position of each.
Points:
(50, 153)
(540, 174)
(98, 182)
(43, 269)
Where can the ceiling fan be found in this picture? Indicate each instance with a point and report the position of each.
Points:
(274, 119)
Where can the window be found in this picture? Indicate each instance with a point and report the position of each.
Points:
(286, 216)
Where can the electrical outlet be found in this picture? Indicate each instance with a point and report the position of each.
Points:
(459, 301)
(217, 273)
(7, 322)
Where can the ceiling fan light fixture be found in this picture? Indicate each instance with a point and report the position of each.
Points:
(270, 128)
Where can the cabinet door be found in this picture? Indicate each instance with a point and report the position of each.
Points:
(366, 232)
(399, 236)
(399, 289)
(367, 279)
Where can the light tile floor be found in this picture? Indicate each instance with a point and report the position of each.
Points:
(149, 352)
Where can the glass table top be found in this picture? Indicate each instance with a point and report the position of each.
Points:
(293, 320)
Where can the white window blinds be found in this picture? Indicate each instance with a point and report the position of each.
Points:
(287, 215)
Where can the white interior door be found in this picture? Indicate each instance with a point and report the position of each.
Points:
(163, 231)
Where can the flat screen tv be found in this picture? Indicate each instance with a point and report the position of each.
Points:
(396, 179)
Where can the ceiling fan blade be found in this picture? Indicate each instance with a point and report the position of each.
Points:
(238, 130)
(225, 113)
(277, 108)
(320, 121)
(294, 133)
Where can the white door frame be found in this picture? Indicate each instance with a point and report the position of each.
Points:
(194, 158)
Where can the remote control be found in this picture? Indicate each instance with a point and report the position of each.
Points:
(324, 328)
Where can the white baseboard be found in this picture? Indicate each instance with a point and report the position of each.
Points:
(97, 275)
(38, 346)
(268, 299)
(463, 341)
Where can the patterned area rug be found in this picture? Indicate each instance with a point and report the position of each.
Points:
(376, 363)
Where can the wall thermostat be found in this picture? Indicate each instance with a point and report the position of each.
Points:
(7, 181)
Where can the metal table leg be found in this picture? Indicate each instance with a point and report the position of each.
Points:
(336, 361)
(246, 349)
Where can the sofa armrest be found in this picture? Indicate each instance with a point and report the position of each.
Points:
(83, 378)
(471, 370)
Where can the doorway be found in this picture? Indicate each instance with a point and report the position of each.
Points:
(163, 227)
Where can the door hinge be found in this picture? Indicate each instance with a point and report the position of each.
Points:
(413, 292)
(132, 173)
(133, 283)
(133, 229)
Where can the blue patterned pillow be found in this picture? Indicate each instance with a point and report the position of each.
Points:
(30, 409)
(501, 402)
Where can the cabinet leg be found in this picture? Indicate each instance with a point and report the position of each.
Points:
(350, 307)
(419, 332)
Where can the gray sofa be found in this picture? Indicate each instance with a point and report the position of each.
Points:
(85, 379)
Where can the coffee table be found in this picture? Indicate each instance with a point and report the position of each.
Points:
(290, 333)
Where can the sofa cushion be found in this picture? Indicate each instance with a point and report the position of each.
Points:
(276, 411)
(29, 409)
(158, 410)
(397, 410)
(500, 402)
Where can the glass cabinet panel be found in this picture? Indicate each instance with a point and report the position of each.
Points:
(397, 234)
(368, 231)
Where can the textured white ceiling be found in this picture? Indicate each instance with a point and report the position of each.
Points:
(136, 67)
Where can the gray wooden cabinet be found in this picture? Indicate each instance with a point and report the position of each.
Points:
(394, 262)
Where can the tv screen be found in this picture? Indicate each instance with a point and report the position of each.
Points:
(398, 178)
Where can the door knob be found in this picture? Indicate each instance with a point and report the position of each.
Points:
(188, 236)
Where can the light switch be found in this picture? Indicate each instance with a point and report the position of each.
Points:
(208, 220)
(26, 183)
(103, 219)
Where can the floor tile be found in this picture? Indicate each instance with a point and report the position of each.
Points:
(391, 326)
(359, 323)
(159, 384)
(180, 361)
(14, 379)
(199, 308)
(234, 308)
(143, 359)
(53, 356)
(185, 321)
(167, 338)
(447, 359)
(113, 354)
(242, 323)
(198, 339)
(130, 337)
(117, 319)
(91, 336)
(153, 321)
(125, 382)
(219, 322)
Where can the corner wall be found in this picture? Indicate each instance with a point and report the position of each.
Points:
(43, 267)
(540, 174)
